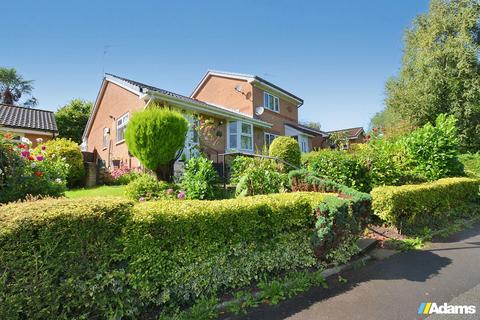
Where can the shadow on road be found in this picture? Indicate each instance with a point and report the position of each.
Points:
(412, 265)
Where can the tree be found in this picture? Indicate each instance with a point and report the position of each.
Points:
(72, 118)
(312, 125)
(440, 70)
(156, 137)
(13, 87)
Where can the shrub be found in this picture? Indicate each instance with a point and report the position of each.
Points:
(64, 148)
(339, 219)
(146, 187)
(260, 176)
(199, 179)
(25, 172)
(339, 166)
(121, 176)
(436, 149)
(66, 258)
(215, 245)
(471, 164)
(412, 207)
(286, 149)
(388, 162)
(58, 259)
(155, 136)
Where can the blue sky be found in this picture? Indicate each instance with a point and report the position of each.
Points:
(336, 55)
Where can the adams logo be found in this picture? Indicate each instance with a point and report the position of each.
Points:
(433, 308)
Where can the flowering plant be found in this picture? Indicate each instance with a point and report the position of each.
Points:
(25, 171)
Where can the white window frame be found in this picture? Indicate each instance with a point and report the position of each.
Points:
(271, 136)
(276, 101)
(124, 119)
(303, 141)
(239, 134)
(105, 133)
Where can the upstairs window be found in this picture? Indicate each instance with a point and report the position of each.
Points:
(269, 137)
(240, 136)
(271, 102)
(121, 126)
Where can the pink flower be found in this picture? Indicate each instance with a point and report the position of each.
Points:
(181, 195)
(39, 158)
(170, 191)
(44, 147)
(25, 153)
(142, 199)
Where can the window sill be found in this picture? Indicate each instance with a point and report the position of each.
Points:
(120, 142)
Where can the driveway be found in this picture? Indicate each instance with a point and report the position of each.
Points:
(448, 270)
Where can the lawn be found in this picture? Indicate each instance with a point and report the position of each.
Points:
(102, 191)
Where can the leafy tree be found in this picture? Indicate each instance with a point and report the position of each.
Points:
(441, 70)
(72, 118)
(312, 125)
(13, 87)
(156, 136)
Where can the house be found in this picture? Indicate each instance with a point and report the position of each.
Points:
(28, 123)
(352, 135)
(235, 112)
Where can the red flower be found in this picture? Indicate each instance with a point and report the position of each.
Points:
(38, 173)
(31, 158)
(374, 129)
(44, 147)
(22, 146)
(368, 137)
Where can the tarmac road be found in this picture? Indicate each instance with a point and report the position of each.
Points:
(448, 270)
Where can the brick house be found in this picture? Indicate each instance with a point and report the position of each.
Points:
(28, 123)
(352, 135)
(244, 113)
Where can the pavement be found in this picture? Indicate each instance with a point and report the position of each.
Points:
(447, 271)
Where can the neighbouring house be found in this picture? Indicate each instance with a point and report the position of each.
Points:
(28, 123)
(235, 113)
(352, 135)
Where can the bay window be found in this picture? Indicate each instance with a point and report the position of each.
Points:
(240, 136)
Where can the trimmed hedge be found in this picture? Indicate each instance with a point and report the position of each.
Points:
(413, 207)
(57, 258)
(286, 149)
(107, 258)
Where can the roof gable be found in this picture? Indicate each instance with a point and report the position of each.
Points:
(246, 77)
(27, 118)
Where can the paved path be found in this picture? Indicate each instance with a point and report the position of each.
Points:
(446, 271)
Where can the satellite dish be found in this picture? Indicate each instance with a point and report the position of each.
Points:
(259, 110)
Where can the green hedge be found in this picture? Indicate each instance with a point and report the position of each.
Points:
(107, 258)
(56, 258)
(413, 207)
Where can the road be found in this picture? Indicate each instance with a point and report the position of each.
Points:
(448, 270)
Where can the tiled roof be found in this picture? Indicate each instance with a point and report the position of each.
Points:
(307, 130)
(142, 87)
(352, 132)
(162, 91)
(27, 118)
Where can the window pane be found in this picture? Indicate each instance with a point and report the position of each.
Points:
(265, 100)
(276, 104)
(121, 133)
(271, 102)
(246, 143)
(232, 127)
(233, 142)
(246, 128)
